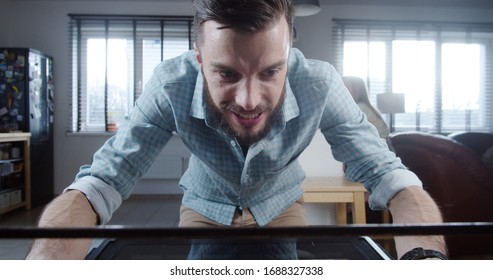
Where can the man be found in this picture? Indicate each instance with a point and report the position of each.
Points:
(246, 105)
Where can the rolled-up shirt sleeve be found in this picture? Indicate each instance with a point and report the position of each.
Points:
(103, 198)
(390, 184)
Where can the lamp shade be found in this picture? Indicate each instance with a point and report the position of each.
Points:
(306, 7)
(391, 103)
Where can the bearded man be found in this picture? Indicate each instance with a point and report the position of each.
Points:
(246, 104)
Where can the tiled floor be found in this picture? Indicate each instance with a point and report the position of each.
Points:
(141, 210)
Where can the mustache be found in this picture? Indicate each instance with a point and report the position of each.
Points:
(235, 108)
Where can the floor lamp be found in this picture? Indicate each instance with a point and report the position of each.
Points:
(391, 103)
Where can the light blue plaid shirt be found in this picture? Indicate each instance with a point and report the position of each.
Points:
(219, 177)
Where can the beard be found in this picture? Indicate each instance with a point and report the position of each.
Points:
(246, 136)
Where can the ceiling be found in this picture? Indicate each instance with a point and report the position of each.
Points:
(483, 4)
(439, 3)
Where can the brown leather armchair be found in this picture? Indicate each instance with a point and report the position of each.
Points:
(479, 142)
(458, 180)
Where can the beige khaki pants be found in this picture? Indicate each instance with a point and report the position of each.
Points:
(294, 216)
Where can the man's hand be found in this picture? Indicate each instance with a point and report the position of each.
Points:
(415, 206)
(71, 209)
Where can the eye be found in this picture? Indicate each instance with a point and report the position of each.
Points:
(270, 74)
(228, 75)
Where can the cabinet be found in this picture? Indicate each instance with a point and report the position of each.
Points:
(15, 171)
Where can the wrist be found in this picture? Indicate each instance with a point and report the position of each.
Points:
(422, 254)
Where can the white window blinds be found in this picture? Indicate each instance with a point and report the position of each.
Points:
(113, 58)
(445, 70)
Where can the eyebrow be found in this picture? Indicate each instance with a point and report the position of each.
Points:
(277, 64)
(224, 66)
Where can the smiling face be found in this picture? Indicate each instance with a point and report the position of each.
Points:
(244, 74)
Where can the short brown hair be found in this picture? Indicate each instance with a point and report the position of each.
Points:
(243, 15)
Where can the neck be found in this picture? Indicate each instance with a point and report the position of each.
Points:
(244, 147)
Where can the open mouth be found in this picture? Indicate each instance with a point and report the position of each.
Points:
(248, 116)
(248, 119)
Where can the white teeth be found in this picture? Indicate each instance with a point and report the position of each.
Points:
(248, 116)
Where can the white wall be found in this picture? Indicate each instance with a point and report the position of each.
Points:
(44, 25)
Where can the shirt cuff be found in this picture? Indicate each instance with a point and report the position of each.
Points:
(391, 183)
(103, 198)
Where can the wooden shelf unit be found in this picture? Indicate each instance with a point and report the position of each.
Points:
(23, 137)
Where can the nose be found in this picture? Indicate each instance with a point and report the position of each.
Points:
(249, 94)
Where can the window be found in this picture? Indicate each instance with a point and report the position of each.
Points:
(113, 57)
(444, 70)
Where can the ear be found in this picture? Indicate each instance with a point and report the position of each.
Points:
(197, 54)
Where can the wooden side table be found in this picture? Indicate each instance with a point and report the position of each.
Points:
(340, 191)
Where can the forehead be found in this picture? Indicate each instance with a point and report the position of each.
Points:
(235, 47)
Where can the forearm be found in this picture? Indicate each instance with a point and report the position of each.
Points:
(414, 206)
(71, 209)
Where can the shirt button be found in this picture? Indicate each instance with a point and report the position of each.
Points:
(233, 143)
